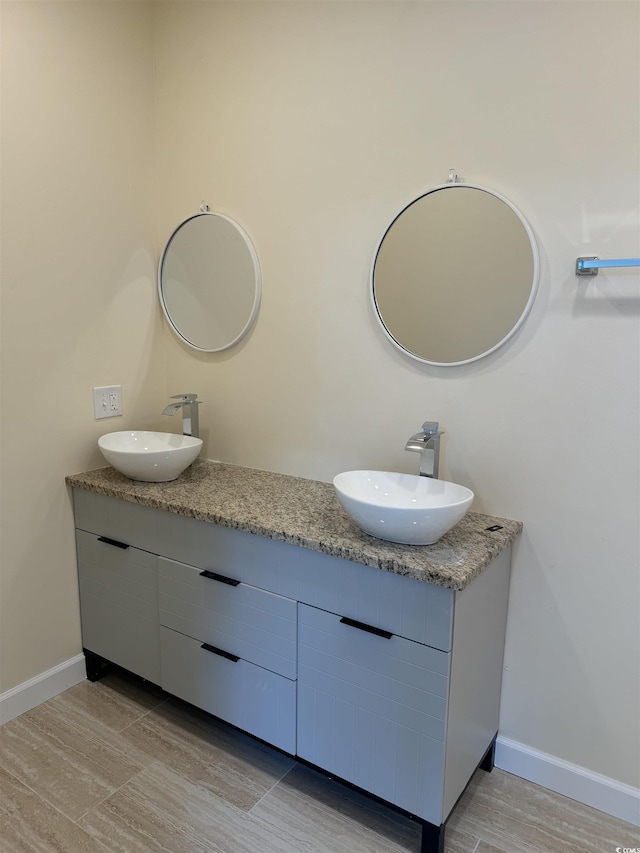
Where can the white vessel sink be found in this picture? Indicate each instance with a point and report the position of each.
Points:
(154, 457)
(402, 508)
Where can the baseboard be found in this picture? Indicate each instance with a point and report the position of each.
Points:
(44, 686)
(592, 789)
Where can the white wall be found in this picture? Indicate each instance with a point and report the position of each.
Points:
(78, 291)
(312, 124)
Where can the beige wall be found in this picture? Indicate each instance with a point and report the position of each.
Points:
(312, 124)
(78, 291)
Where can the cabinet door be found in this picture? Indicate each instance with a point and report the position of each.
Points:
(372, 709)
(119, 604)
(254, 699)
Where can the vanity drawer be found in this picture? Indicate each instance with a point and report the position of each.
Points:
(256, 625)
(248, 696)
(119, 604)
(372, 709)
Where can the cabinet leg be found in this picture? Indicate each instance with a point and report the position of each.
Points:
(432, 838)
(487, 762)
(96, 666)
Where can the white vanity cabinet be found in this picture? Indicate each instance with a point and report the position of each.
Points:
(387, 682)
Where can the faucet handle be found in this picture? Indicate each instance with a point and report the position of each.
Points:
(431, 428)
(186, 398)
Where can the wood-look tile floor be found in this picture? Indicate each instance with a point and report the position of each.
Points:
(118, 766)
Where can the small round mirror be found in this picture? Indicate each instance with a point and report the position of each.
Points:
(455, 274)
(209, 282)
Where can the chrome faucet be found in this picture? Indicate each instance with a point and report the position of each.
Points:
(427, 444)
(189, 404)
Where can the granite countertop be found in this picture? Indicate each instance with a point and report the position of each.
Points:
(307, 513)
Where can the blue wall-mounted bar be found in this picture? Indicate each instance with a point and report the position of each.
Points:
(590, 266)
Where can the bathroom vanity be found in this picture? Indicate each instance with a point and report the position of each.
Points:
(253, 596)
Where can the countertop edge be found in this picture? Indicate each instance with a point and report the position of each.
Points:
(348, 543)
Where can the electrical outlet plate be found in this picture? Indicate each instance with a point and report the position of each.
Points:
(107, 401)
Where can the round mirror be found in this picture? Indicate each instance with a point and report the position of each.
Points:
(455, 274)
(209, 282)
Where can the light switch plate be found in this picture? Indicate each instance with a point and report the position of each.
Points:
(107, 401)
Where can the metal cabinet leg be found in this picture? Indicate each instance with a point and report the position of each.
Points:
(487, 762)
(432, 838)
(96, 666)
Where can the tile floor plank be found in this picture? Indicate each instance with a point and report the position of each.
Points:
(519, 817)
(116, 701)
(163, 810)
(234, 766)
(29, 825)
(331, 816)
(70, 762)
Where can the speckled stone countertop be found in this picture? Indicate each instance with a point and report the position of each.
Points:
(307, 513)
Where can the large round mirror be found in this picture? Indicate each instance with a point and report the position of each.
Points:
(455, 274)
(209, 282)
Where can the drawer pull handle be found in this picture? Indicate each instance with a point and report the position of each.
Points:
(220, 652)
(113, 542)
(362, 626)
(216, 577)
